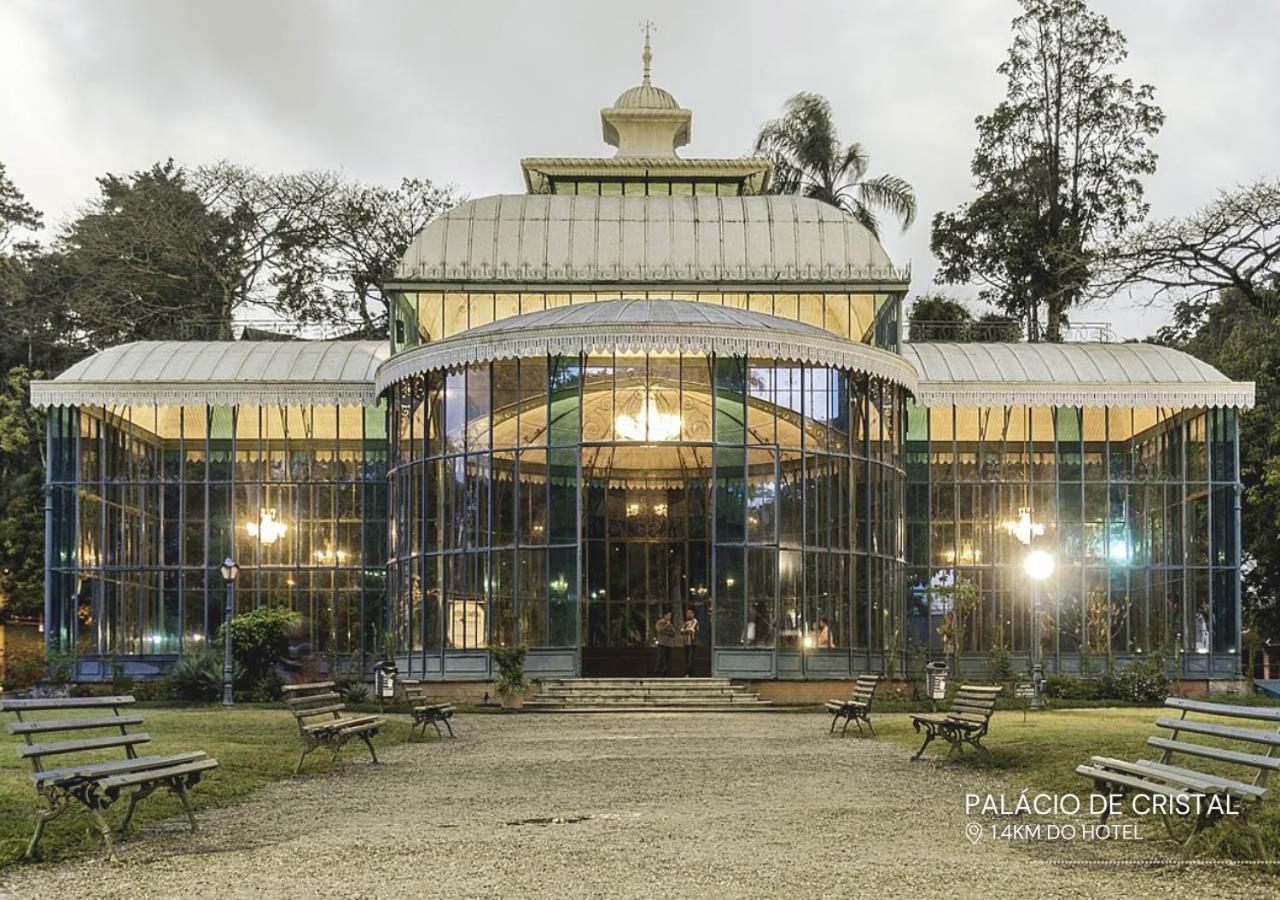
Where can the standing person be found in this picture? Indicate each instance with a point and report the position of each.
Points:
(666, 640)
(689, 631)
(824, 634)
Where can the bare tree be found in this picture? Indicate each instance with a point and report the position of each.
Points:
(1233, 243)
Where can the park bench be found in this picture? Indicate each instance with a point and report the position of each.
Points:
(857, 708)
(1233, 769)
(423, 711)
(319, 709)
(965, 722)
(68, 768)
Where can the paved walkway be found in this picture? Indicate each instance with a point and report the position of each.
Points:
(710, 805)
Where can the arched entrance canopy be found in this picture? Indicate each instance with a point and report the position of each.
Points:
(648, 326)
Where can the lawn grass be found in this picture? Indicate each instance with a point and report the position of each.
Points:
(255, 745)
(1042, 755)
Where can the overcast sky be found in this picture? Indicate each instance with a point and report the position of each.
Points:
(460, 91)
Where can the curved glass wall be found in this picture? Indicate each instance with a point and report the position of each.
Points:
(566, 502)
(1137, 506)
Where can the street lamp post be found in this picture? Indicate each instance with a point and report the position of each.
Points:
(229, 572)
(1038, 565)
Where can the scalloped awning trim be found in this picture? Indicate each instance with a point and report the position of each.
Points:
(194, 393)
(1239, 394)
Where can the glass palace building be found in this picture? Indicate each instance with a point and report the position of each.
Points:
(646, 385)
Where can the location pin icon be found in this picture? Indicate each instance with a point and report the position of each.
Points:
(973, 831)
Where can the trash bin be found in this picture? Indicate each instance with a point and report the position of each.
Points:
(935, 680)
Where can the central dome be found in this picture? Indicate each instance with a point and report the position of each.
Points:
(645, 96)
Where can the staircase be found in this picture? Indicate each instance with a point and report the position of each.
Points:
(643, 695)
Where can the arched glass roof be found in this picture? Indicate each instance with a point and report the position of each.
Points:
(219, 372)
(1093, 374)
(579, 239)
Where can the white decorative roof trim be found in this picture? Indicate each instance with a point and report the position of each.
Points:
(1239, 394)
(213, 393)
(660, 337)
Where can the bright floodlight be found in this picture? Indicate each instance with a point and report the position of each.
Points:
(1038, 564)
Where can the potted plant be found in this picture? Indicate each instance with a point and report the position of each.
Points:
(512, 684)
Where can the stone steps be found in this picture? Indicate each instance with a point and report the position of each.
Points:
(642, 695)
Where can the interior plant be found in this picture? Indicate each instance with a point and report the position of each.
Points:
(511, 684)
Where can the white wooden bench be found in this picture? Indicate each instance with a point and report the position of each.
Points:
(96, 784)
(318, 709)
(1232, 771)
(423, 711)
(857, 708)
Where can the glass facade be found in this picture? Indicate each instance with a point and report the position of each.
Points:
(1138, 507)
(147, 501)
(868, 318)
(565, 502)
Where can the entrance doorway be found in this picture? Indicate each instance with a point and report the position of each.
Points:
(647, 538)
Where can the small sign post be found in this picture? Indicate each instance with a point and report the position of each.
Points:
(1025, 691)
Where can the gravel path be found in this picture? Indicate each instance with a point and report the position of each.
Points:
(709, 805)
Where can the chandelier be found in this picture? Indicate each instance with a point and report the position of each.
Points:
(650, 424)
(268, 529)
(1024, 529)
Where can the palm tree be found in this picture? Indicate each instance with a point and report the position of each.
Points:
(808, 159)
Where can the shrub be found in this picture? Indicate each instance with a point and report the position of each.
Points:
(197, 677)
(1142, 681)
(259, 640)
(120, 682)
(62, 667)
(356, 692)
(1064, 687)
(510, 663)
(23, 666)
(1000, 666)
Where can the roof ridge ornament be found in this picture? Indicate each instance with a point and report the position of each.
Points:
(647, 56)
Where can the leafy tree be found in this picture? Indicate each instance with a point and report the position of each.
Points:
(315, 247)
(148, 260)
(361, 233)
(1233, 334)
(1058, 167)
(21, 427)
(1233, 244)
(937, 317)
(808, 159)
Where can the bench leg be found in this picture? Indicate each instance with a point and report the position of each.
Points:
(369, 743)
(871, 728)
(435, 723)
(930, 734)
(298, 767)
(181, 790)
(449, 726)
(105, 830)
(128, 813)
(834, 720)
(43, 818)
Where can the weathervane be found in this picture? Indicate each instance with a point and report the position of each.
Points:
(648, 26)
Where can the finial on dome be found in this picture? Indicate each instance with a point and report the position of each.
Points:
(648, 54)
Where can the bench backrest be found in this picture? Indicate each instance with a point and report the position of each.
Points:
(1247, 749)
(864, 689)
(66, 727)
(414, 691)
(975, 703)
(312, 701)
